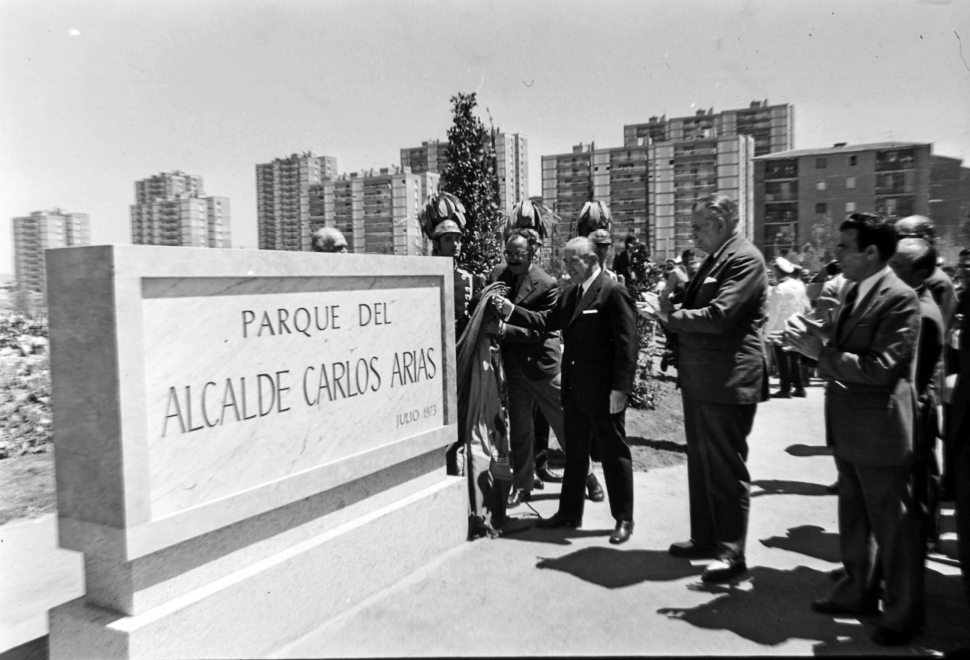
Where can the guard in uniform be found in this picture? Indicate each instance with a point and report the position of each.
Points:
(442, 220)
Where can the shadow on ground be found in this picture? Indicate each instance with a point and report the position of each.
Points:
(781, 487)
(614, 569)
(809, 450)
(772, 606)
(663, 445)
(809, 540)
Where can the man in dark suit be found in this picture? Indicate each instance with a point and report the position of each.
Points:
(531, 359)
(598, 322)
(958, 438)
(721, 369)
(870, 410)
(913, 263)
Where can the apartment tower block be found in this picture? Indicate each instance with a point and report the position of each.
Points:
(171, 208)
(35, 233)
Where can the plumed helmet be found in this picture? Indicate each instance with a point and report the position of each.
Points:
(442, 207)
(446, 227)
(530, 215)
(594, 215)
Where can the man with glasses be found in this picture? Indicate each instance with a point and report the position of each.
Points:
(599, 327)
(532, 363)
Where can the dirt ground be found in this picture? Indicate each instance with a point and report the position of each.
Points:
(27, 487)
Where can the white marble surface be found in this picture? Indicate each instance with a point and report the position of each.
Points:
(130, 323)
(242, 390)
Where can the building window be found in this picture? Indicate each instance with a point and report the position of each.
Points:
(820, 163)
(820, 185)
(850, 207)
(853, 160)
(850, 182)
(821, 207)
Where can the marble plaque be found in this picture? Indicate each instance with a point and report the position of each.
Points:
(247, 387)
(194, 389)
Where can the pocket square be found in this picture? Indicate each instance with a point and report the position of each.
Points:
(590, 311)
(710, 280)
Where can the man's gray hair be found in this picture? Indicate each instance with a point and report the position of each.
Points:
(583, 247)
(722, 206)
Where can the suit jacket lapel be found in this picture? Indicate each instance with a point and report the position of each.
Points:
(590, 296)
(864, 306)
(529, 283)
(695, 284)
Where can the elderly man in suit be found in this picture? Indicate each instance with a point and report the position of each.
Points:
(870, 409)
(531, 359)
(722, 373)
(597, 318)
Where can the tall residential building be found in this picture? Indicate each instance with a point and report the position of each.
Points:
(512, 169)
(377, 211)
(683, 171)
(431, 156)
(171, 208)
(771, 126)
(802, 196)
(39, 231)
(283, 199)
(512, 164)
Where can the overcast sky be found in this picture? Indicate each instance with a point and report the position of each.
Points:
(96, 94)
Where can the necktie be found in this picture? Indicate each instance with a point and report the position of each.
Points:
(847, 306)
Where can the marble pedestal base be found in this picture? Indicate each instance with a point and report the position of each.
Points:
(256, 610)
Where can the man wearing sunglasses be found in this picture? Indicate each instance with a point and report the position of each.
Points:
(532, 363)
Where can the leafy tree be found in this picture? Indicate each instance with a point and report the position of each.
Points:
(470, 175)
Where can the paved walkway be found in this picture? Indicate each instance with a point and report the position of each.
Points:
(550, 592)
(570, 592)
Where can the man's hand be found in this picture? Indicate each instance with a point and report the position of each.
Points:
(666, 308)
(802, 341)
(617, 401)
(503, 307)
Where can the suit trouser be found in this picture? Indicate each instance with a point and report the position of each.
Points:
(789, 369)
(876, 511)
(717, 476)
(540, 432)
(524, 395)
(610, 433)
(961, 487)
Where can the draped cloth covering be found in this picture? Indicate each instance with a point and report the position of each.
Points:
(482, 418)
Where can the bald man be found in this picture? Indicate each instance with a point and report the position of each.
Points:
(329, 239)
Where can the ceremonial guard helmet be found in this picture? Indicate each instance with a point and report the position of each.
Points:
(443, 214)
(594, 215)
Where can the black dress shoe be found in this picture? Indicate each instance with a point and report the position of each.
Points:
(537, 484)
(781, 394)
(723, 570)
(517, 497)
(549, 476)
(693, 550)
(560, 521)
(825, 606)
(889, 637)
(593, 489)
(799, 393)
(622, 532)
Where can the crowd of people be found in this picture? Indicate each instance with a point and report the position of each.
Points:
(881, 324)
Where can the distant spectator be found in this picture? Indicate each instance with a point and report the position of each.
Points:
(329, 239)
(621, 264)
(939, 283)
